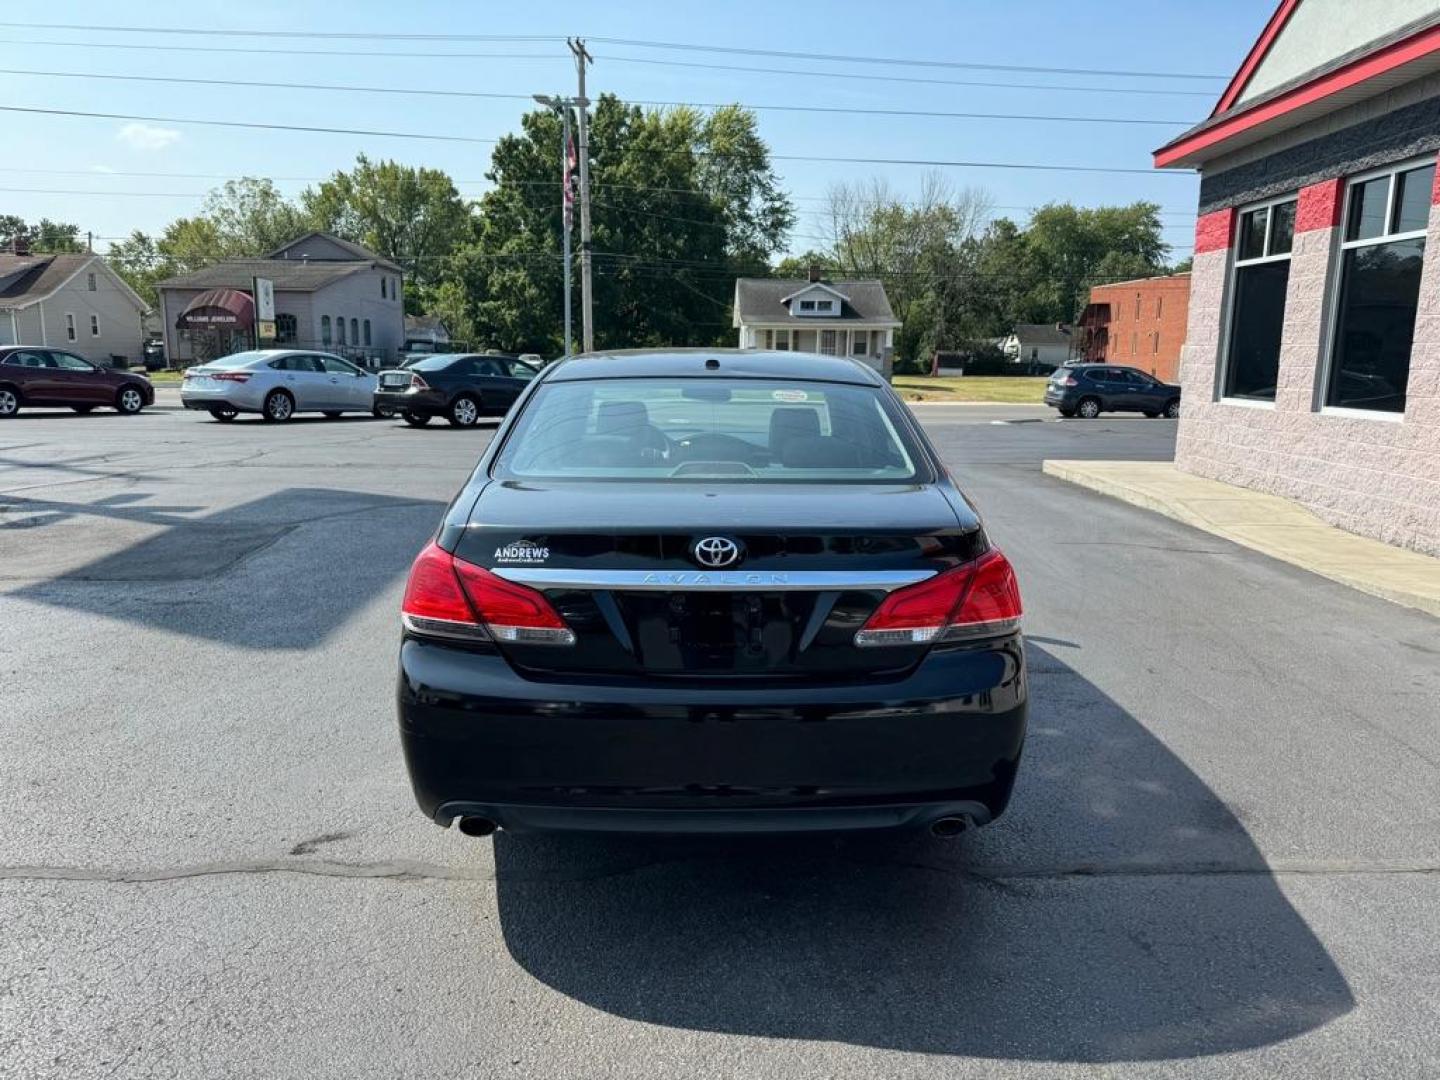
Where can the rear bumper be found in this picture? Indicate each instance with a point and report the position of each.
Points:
(482, 740)
(424, 403)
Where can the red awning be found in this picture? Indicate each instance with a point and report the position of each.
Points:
(218, 307)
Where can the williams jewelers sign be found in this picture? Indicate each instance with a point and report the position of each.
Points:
(218, 307)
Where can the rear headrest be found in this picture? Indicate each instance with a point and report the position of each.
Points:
(621, 417)
(819, 452)
(787, 424)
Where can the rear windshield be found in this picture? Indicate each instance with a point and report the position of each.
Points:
(236, 360)
(438, 362)
(718, 429)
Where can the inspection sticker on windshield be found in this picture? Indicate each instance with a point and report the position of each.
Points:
(790, 395)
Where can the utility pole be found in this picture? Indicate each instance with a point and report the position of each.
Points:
(567, 196)
(587, 308)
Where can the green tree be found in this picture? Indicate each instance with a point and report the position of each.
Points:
(682, 203)
(250, 217)
(916, 248)
(1071, 243)
(413, 216)
(46, 236)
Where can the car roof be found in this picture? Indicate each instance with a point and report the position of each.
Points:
(732, 363)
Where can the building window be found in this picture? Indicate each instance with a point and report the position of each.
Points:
(827, 342)
(860, 346)
(1155, 348)
(69, 327)
(340, 330)
(824, 305)
(1159, 306)
(807, 305)
(94, 325)
(782, 340)
(1381, 255)
(286, 329)
(367, 331)
(354, 331)
(1257, 301)
(325, 329)
(382, 287)
(90, 282)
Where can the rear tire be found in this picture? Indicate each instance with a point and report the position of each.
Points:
(9, 402)
(464, 412)
(223, 415)
(1172, 410)
(1067, 413)
(83, 409)
(415, 419)
(382, 412)
(1151, 414)
(129, 401)
(279, 406)
(1088, 408)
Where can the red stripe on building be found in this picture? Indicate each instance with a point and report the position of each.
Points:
(1319, 206)
(1387, 59)
(1213, 231)
(1257, 52)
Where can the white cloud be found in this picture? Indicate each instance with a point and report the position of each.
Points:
(147, 137)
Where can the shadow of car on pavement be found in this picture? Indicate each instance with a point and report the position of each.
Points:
(1119, 912)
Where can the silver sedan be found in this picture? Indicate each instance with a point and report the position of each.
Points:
(277, 384)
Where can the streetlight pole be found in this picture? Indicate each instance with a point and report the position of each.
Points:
(562, 105)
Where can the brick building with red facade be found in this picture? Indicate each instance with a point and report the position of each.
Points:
(1138, 323)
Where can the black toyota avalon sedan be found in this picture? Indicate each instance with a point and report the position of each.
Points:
(711, 591)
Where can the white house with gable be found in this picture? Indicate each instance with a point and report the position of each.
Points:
(833, 318)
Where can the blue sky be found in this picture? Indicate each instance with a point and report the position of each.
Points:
(91, 155)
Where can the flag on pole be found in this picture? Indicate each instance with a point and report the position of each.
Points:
(567, 181)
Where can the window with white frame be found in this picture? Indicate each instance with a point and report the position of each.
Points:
(860, 344)
(1382, 253)
(807, 305)
(69, 327)
(340, 329)
(90, 282)
(94, 325)
(1257, 301)
(782, 340)
(824, 305)
(827, 342)
(325, 329)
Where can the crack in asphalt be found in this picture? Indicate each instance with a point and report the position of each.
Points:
(405, 870)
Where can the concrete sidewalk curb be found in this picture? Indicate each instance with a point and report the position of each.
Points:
(1265, 523)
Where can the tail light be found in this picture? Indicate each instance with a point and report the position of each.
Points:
(417, 383)
(979, 599)
(232, 376)
(448, 597)
(1069, 380)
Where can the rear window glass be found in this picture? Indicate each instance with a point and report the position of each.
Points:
(235, 360)
(438, 362)
(714, 429)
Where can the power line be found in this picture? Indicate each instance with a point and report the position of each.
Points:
(613, 58)
(317, 129)
(628, 42)
(850, 75)
(271, 50)
(418, 92)
(216, 32)
(896, 61)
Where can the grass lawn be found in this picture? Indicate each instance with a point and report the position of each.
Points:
(166, 378)
(993, 388)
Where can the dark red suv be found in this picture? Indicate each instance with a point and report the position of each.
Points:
(32, 375)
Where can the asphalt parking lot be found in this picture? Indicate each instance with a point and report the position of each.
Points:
(1223, 857)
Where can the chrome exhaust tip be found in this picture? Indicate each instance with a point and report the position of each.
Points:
(947, 828)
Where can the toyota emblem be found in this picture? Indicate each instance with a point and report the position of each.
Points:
(716, 552)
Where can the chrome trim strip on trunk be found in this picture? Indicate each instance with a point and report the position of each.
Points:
(710, 580)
